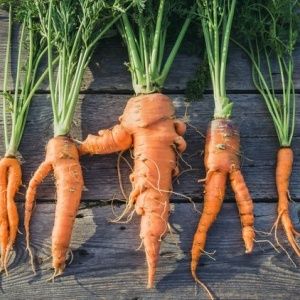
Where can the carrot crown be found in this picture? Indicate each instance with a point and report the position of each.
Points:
(144, 30)
(270, 45)
(72, 29)
(27, 80)
(216, 19)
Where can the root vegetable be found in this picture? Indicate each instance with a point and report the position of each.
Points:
(222, 147)
(63, 159)
(276, 36)
(222, 150)
(148, 124)
(72, 29)
(15, 107)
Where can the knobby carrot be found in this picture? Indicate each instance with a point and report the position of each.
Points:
(63, 159)
(148, 124)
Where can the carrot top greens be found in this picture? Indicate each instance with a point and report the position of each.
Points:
(72, 29)
(31, 50)
(216, 19)
(270, 45)
(145, 31)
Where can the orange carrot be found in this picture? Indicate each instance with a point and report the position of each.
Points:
(15, 103)
(277, 28)
(148, 125)
(283, 173)
(65, 72)
(62, 157)
(10, 181)
(222, 160)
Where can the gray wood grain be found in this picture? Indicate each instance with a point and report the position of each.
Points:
(107, 266)
(107, 71)
(102, 111)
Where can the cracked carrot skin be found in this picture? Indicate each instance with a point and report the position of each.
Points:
(148, 124)
(10, 181)
(221, 161)
(284, 167)
(62, 158)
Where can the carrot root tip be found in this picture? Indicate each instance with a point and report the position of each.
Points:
(31, 257)
(200, 283)
(290, 232)
(57, 272)
(248, 237)
(150, 285)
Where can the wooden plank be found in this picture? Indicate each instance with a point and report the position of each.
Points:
(101, 180)
(106, 264)
(107, 71)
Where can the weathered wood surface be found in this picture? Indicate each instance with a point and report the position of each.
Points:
(102, 111)
(107, 266)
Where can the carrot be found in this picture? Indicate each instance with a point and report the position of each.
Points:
(10, 181)
(149, 126)
(222, 146)
(222, 161)
(283, 172)
(148, 123)
(15, 107)
(63, 159)
(279, 27)
(72, 30)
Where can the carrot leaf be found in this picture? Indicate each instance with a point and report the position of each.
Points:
(216, 18)
(270, 45)
(145, 30)
(31, 50)
(73, 29)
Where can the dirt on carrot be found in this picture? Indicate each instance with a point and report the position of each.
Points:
(63, 159)
(10, 181)
(148, 124)
(222, 150)
(283, 172)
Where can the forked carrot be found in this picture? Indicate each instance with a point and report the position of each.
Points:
(63, 159)
(10, 181)
(222, 147)
(284, 168)
(277, 38)
(222, 150)
(15, 107)
(72, 29)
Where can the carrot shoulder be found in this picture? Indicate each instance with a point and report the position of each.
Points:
(148, 125)
(222, 161)
(62, 157)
